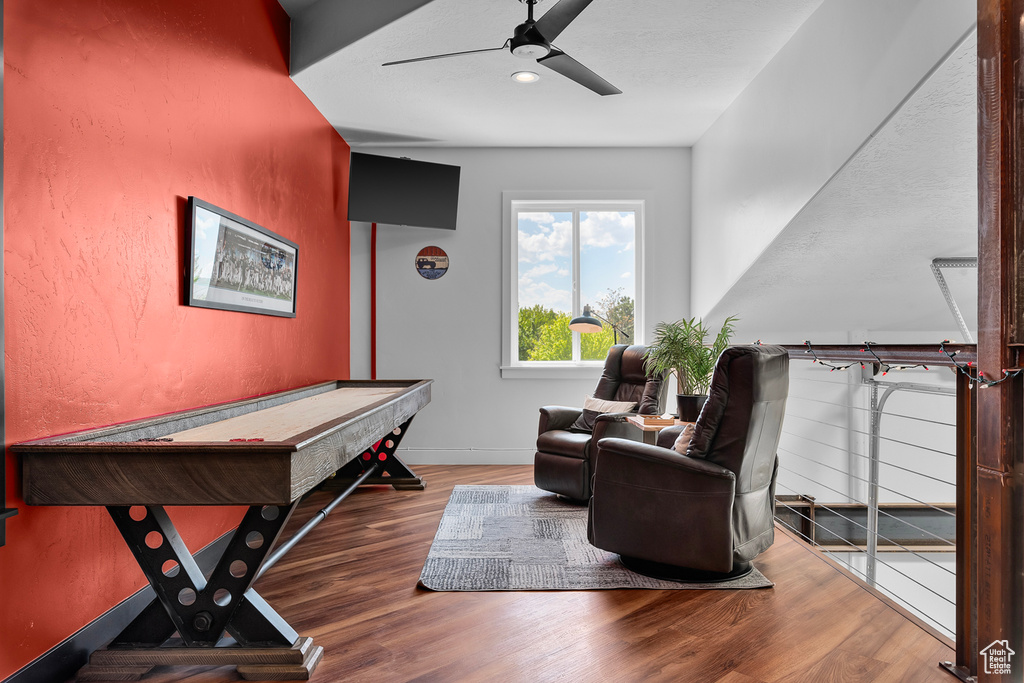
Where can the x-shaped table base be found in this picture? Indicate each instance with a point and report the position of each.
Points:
(218, 622)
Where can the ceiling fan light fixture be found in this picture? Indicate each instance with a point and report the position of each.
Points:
(530, 50)
(525, 77)
(532, 40)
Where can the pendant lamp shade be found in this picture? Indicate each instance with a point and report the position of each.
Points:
(585, 323)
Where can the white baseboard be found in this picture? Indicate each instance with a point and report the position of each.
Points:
(466, 456)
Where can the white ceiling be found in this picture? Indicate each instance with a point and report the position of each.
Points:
(856, 258)
(679, 64)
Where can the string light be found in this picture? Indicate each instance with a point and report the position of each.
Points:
(828, 364)
(885, 367)
(965, 368)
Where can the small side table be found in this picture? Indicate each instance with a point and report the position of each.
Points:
(650, 432)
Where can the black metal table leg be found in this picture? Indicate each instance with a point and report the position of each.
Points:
(394, 472)
(201, 611)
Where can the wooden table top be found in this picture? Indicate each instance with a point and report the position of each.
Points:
(637, 421)
(286, 421)
(270, 449)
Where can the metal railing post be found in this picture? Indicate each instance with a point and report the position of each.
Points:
(966, 666)
(873, 446)
(877, 406)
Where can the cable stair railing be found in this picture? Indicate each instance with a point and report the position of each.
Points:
(874, 474)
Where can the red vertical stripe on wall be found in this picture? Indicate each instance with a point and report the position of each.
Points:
(373, 302)
(115, 112)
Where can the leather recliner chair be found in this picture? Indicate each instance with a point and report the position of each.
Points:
(705, 515)
(563, 462)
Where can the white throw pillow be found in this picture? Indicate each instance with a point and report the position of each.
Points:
(592, 407)
(683, 440)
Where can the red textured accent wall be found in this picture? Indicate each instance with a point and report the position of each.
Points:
(116, 111)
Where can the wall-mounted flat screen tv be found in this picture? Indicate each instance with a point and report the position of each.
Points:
(402, 191)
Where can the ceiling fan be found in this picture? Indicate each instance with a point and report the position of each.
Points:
(532, 40)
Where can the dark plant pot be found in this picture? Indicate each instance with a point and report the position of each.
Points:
(689, 405)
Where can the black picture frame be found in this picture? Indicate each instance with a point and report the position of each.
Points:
(233, 264)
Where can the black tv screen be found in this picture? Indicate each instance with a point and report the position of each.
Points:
(402, 191)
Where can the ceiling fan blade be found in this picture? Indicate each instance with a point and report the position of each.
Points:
(570, 68)
(558, 17)
(450, 54)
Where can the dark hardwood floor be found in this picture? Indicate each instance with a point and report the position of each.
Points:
(351, 585)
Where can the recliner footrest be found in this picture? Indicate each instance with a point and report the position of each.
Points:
(566, 476)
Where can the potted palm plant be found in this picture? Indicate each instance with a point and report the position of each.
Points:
(681, 348)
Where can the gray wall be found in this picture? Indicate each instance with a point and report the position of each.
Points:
(450, 329)
(819, 99)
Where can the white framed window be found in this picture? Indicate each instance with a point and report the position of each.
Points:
(565, 255)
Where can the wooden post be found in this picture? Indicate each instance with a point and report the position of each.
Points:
(966, 530)
(1000, 442)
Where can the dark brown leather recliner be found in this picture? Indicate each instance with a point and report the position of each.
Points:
(563, 463)
(704, 515)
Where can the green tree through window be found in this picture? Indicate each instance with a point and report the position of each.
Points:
(568, 255)
(544, 334)
(616, 308)
(531, 321)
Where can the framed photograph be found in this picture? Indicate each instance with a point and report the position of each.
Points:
(235, 265)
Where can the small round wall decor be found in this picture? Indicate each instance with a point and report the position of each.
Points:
(432, 262)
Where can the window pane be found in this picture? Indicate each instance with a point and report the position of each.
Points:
(545, 285)
(607, 277)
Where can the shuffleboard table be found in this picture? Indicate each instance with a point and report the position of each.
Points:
(265, 453)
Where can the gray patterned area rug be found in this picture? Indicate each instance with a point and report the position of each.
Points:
(519, 538)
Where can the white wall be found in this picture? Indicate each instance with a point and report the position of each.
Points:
(825, 93)
(449, 329)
